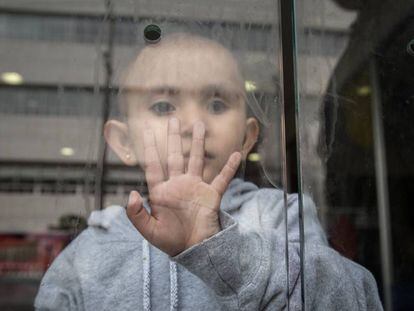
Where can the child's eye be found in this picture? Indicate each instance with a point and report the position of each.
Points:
(217, 106)
(162, 108)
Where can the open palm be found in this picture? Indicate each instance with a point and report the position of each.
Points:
(184, 209)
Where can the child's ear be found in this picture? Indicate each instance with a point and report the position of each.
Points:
(250, 139)
(117, 137)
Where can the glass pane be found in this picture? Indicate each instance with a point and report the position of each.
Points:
(78, 73)
(355, 85)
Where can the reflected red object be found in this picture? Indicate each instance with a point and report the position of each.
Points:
(29, 255)
(344, 238)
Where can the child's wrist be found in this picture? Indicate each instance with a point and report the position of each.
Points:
(213, 230)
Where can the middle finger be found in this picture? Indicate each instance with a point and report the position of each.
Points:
(175, 150)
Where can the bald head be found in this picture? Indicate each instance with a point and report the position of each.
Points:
(182, 57)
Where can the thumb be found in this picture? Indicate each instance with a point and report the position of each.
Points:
(138, 215)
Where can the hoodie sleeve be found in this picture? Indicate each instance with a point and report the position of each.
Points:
(247, 271)
(60, 287)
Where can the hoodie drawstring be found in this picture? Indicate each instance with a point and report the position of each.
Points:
(173, 286)
(146, 270)
(147, 274)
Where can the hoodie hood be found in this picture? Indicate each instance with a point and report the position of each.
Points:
(236, 194)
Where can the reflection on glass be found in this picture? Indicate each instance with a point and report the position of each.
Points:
(354, 133)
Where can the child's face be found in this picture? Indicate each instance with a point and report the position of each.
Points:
(191, 83)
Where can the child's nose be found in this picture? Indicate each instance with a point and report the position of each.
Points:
(189, 116)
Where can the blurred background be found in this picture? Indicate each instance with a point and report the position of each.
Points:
(60, 63)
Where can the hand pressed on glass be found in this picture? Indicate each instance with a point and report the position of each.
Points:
(184, 209)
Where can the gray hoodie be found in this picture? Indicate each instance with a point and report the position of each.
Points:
(243, 267)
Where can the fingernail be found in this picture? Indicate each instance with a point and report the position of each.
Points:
(237, 156)
(174, 122)
(131, 198)
(199, 128)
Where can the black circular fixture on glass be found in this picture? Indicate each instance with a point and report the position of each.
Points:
(152, 33)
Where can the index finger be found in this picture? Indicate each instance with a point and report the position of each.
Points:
(153, 169)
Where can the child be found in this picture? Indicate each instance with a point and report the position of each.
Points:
(188, 127)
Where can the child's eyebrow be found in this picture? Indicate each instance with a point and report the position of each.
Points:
(221, 91)
(163, 89)
(151, 91)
